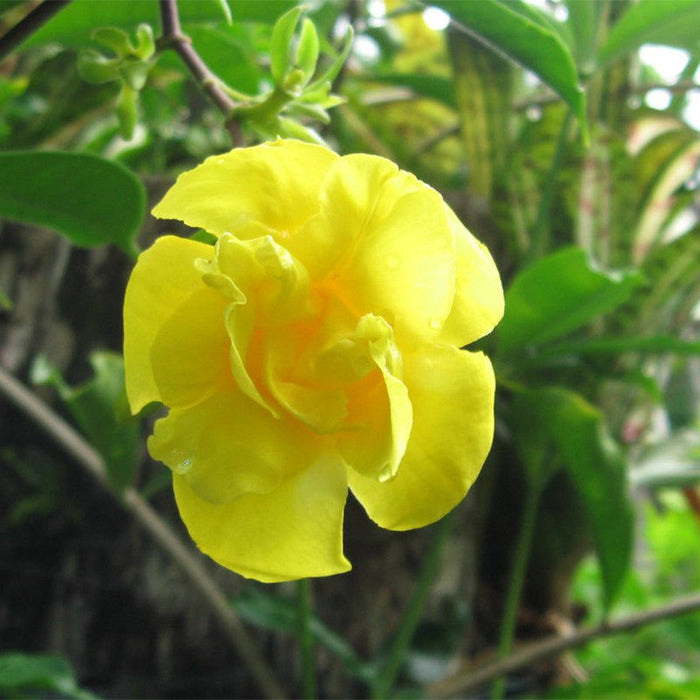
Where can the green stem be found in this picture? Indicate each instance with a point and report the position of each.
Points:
(306, 640)
(517, 579)
(541, 229)
(383, 683)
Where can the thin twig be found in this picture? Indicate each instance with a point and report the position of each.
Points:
(132, 501)
(172, 37)
(29, 24)
(468, 679)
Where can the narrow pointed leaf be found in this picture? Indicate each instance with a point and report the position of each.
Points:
(435, 87)
(659, 201)
(652, 22)
(329, 75)
(225, 11)
(280, 43)
(648, 345)
(514, 31)
(559, 294)
(559, 419)
(307, 50)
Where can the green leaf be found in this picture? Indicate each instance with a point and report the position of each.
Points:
(307, 50)
(650, 345)
(330, 74)
(96, 68)
(558, 294)
(225, 11)
(90, 200)
(512, 29)
(435, 87)
(113, 38)
(5, 302)
(658, 203)
(652, 22)
(585, 23)
(280, 614)
(308, 111)
(22, 674)
(100, 409)
(227, 56)
(296, 130)
(73, 25)
(145, 42)
(554, 418)
(282, 34)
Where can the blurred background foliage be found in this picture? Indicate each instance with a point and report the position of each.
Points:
(564, 133)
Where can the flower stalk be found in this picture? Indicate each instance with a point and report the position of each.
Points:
(517, 578)
(306, 642)
(383, 683)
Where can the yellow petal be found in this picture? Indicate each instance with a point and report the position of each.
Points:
(190, 353)
(240, 320)
(383, 245)
(164, 277)
(452, 393)
(283, 293)
(228, 445)
(380, 413)
(235, 274)
(288, 367)
(478, 304)
(293, 532)
(275, 184)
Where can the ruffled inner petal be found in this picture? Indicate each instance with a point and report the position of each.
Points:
(240, 323)
(290, 376)
(380, 415)
(452, 393)
(293, 532)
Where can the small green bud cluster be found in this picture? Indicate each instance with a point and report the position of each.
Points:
(129, 65)
(296, 96)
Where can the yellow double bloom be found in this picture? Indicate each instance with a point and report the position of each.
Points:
(314, 348)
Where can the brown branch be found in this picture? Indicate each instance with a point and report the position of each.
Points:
(468, 679)
(134, 504)
(172, 37)
(29, 24)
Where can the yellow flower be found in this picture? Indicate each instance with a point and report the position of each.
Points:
(314, 348)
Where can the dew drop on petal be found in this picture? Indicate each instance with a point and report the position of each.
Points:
(183, 466)
(392, 262)
(435, 324)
